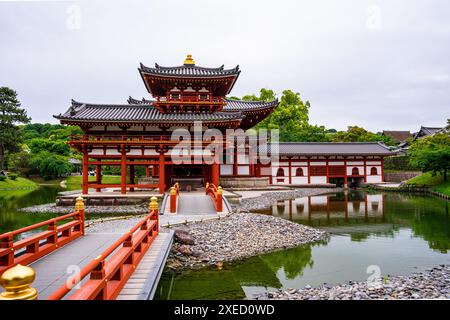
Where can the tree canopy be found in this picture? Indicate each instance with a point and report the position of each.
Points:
(431, 154)
(10, 115)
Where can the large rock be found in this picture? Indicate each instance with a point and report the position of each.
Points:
(183, 237)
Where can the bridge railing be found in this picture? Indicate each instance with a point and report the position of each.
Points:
(216, 194)
(110, 271)
(27, 249)
(174, 193)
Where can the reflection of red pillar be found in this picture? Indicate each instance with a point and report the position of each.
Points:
(161, 184)
(123, 164)
(98, 176)
(215, 172)
(85, 178)
(147, 171)
(132, 177)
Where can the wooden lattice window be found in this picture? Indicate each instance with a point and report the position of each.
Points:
(318, 170)
(299, 172)
(280, 172)
(355, 171)
(373, 171)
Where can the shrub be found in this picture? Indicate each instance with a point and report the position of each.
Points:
(2, 178)
(13, 176)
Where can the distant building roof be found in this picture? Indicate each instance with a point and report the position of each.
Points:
(330, 148)
(398, 136)
(427, 131)
(189, 71)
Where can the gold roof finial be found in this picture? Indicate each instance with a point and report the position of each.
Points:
(189, 61)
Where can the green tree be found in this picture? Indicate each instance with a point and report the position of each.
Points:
(358, 134)
(10, 115)
(58, 147)
(50, 166)
(431, 154)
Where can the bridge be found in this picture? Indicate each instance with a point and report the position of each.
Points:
(57, 259)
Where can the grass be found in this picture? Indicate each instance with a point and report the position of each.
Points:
(19, 183)
(74, 182)
(427, 179)
(435, 182)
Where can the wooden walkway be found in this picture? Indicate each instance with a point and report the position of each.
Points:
(54, 269)
(144, 281)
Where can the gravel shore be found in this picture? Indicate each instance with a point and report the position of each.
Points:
(110, 210)
(432, 284)
(267, 199)
(236, 237)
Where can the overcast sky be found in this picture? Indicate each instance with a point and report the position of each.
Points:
(380, 64)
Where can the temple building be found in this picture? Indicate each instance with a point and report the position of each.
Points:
(141, 133)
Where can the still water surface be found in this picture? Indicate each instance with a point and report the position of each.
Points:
(393, 233)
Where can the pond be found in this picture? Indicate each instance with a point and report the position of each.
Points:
(11, 201)
(371, 234)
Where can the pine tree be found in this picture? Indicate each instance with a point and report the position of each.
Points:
(10, 115)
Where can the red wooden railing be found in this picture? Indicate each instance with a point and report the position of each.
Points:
(174, 193)
(30, 248)
(110, 271)
(216, 194)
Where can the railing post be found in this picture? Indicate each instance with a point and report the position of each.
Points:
(79, 207)
(219, 199)
(154, 207)
(7, 243)
(173, 200)
(17, 281)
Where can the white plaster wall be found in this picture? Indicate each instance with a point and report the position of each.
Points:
(336, 163)
(112, 152)
(300, 163)
(318, 163)
(373, 163)
(355, 163)
(360, 168)
(374, 179)
(318, 179)
(294, 169)
(243, 170)
(300, 180)
(135, 152)
(226, 169)
(96, 152)
(150, 152)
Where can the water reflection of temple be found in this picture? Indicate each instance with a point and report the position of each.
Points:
(331, 208)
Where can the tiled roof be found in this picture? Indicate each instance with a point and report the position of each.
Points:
(241, 105)
(328, 148)
(138, 113)
(189, 71)
(231, 105)
(398, 136)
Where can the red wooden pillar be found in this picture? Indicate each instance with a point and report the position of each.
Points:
(346, 175)
(365, 170)
(161, 184)
(98, 176)
(290, 171)
(123, 164)
(215, 172)
(85, 178)
(235, 161)
(147, 171)
(309, 171)
(132, 177)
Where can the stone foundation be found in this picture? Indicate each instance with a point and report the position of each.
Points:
(247, 182)
(400, 176)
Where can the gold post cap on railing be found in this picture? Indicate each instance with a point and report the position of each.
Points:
(17, 281)
(219, 190)
(207, 185)
(173, 191)
(153, 203)
(79, 204)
